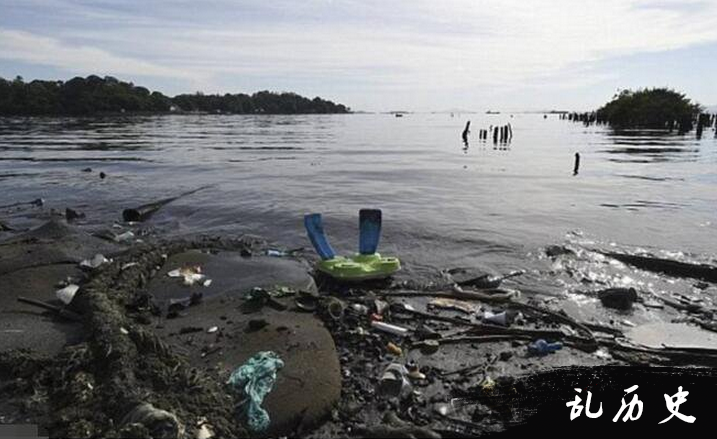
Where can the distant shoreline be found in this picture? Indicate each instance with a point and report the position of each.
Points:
(109, 96)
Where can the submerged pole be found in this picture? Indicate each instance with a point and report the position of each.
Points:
(576, 167)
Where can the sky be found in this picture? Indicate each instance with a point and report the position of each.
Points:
(375, 55)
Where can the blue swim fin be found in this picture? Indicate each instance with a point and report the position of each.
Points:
(315, 230)
(369, 230)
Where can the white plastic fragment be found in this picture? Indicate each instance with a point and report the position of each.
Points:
(124, 236)
(391, 329)
(128, 265)
(191, 275)
(67, 294)
(212, 330)
(124, 331)
(95, 262)
(207, 282)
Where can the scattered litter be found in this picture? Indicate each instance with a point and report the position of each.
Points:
(453, 304)
(393, 381)
(603, 354)
(414, 372)
(391, 329)
(212, 330)
(359, 308)
(95, 262)
(160, 423)
(276, 253)
(498, 319)
(126, 236)
(628, 323)
(254, 380)
(67, 294)
(541, 347)
(191, 274)
(128, 265)
(335, 308)
(394, 349)
(124, 331)
(207, 282)
(487, 384)
(204, 431)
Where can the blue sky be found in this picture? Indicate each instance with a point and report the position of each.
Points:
(374, 55)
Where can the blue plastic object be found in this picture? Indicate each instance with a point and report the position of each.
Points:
(369, 230)
(254, 380)
(315, 230)
(541, 347)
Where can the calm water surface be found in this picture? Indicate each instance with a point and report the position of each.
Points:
(444, 205)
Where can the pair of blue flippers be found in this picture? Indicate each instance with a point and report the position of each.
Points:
(367, 264)
(369, 233)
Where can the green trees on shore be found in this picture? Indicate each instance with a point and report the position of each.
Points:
(92, 95)
(649, 108)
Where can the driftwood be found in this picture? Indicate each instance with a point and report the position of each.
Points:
(145, 211)
(669, 267)
(67, 314)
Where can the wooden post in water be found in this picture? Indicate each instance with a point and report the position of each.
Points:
(576, 167)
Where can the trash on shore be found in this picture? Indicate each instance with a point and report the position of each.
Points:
(389, 328)
(498, 319)
(393, 349)
(191, 275)
(254, 380)
(541, 347)
(618, 298)
(160, 423)
(95, 262)
(394, 382)
(453, 304)
(122, 237)
(67, 294)
(145, 211)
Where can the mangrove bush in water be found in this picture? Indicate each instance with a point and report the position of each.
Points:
(649, 108)
(93, 95)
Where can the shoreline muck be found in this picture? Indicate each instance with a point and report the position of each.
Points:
(224, 337)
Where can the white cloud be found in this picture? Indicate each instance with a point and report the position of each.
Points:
(369, 46)
(35, 49)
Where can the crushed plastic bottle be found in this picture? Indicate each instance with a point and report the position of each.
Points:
(541, 347)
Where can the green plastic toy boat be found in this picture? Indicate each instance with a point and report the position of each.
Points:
(359, 267)
(366, 265)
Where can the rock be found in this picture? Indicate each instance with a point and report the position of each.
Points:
(618, 298)
(309, 384)
(26, 327)
(71, 214)
(553, 251)
(52, 243)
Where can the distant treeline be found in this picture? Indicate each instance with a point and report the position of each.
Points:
(93, 95)
(659, 108)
